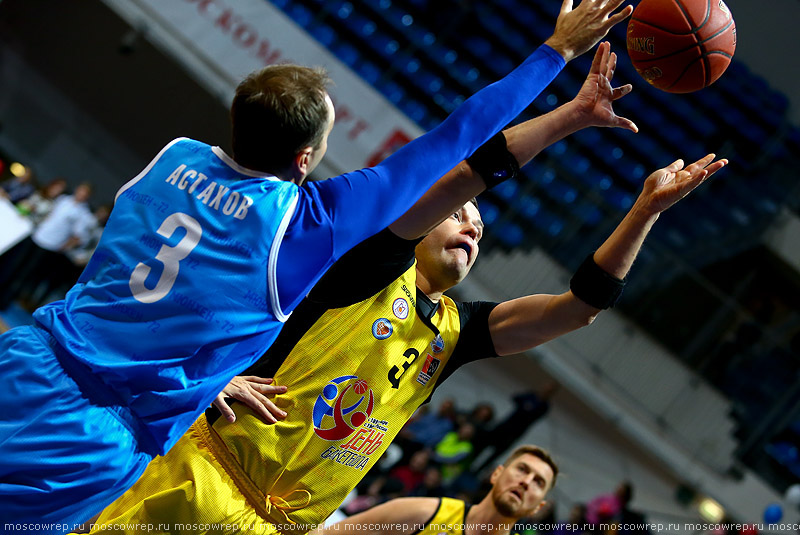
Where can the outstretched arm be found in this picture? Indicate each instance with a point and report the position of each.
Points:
(399, 181)
(593, 106)
(526, 322)
(401, 516)
(332, 216)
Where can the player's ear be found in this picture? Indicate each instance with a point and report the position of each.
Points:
(496, 474)
(301, 163)
(541, 504)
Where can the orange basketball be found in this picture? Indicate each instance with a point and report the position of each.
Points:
(360, 387)
(681, 46)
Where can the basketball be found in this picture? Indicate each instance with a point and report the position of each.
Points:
(680, 46)
(360, 387)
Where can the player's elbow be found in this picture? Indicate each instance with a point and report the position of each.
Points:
(586, 319)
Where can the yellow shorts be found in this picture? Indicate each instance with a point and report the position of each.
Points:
(187, 491)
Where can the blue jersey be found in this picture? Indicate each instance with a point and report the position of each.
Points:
(181, 291)
(187, 286)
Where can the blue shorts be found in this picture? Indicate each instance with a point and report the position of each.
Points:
(63, 458)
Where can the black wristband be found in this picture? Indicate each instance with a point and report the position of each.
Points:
(494, 162)
(594, 286)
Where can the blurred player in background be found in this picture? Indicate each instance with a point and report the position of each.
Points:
(519, 487)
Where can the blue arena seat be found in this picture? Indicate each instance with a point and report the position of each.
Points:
(489, 211)
(323, 33)
(507, 190)
(300, 14)
(346, 52)
(385, 45)
(391, 90)
(430, 83)
(369, 71)
(510, 234)
(415, 110)
(361, 27)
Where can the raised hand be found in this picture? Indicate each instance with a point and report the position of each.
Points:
(595, 99)
(578, 30)
(665, 187)
(253, 392)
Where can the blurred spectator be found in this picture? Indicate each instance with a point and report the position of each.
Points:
(615, 509)
(20, 187)
(39, 205)
(80, 252)
(481, 417)
(529, 407)
(66, 270)
(454, 451)
(35, 258)
(412, 474)
(429, 428)
(431, 486)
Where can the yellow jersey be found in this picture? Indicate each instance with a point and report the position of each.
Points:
(449, 518)
(354, 380)
(355, 375)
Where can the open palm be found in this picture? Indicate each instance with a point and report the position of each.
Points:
(668, 185)
(596, 97)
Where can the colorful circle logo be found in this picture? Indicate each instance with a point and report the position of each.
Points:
(400, 308)
(340, 410)
(382, 328)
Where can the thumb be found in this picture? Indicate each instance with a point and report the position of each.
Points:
(675, 166)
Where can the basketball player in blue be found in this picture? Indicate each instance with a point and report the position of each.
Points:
(187, 286)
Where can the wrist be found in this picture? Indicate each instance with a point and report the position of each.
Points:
(560, 46)
(643, 214)
(575, 116)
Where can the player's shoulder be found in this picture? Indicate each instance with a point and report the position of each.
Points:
(186, 144)
(422, 509)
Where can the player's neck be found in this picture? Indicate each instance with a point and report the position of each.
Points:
(485, 519)
(429, 287)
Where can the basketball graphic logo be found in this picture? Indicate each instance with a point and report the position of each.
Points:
(342, 407)
(360, 386)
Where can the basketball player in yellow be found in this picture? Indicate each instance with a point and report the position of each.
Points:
(372, 340)
(519, 487)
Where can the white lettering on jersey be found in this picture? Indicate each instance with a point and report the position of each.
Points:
(175, 174)
(220, 193)
(200, 178)
(205, 196)
(241, 213)
(232, 202)
(191, 173)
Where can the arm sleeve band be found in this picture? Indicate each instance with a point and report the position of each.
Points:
(594, 286)
(494, 162)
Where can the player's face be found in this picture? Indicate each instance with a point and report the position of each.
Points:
(319, 152)
(519, 488)
(447, 254)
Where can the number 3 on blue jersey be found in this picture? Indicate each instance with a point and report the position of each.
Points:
(169, 256)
